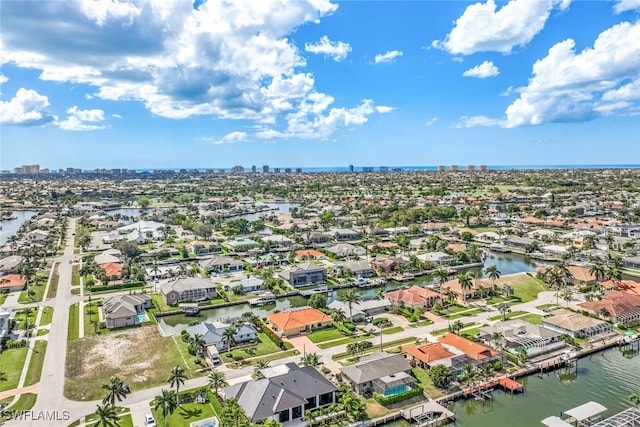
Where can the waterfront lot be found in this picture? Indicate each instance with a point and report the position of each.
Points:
(185, 414)
(11, 362)
(140, 357)
(526, 288)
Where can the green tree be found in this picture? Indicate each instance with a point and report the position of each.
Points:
(350, 297)
(257, 369)
(217, 380)
(311, 359)
(318, 300)
(197, 344)
(228, 334)
(504, 308)
(116, 389)
(492, 273)
(144, 202)
(441, 376)
(107, 416)
(598, 271)
(635, 399)
(176, 379)
(523, 357)
(167, 402)
(233, 415)
(466, 282)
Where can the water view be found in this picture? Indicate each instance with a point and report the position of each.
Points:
(10, 227)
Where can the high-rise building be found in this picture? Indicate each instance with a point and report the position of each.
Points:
(276, 170)
(298, 170)
(454, 168)
(350, 168)
(442, 168)
(367, 169)
(265, 169)
(287, 170)
(237, 169)
(254, 169)
(471, 168)
(483, 167)
(384, 169)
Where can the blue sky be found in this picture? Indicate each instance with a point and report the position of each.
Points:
(170, 84)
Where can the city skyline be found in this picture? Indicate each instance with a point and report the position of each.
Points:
(162, 85)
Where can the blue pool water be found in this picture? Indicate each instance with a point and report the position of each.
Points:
(396, 390)
(140, 318)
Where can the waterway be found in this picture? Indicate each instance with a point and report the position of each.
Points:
(275, 209)
(9, 228)
(606, 377)
(507, 263)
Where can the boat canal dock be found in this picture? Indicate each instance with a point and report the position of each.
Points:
(428, 414)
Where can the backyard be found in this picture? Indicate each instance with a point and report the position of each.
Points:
(92, 361)
(526, 288)
(12, 361)
(265, 346)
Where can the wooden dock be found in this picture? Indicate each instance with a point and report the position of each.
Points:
(483, 391)
(427, 414)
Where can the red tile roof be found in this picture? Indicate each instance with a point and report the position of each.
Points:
(298, 319)
(617, 303)
(12, 280)
(472, 349)
(112, 268)
(430, 352)
(415, 295)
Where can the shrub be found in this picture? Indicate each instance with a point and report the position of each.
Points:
(390, 400)
(272, 336)
(497, 366)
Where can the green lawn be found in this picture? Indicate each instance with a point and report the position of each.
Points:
(38, 287)
(3, 298)
(185, 415)
(264, 347)
(47, 316)
(547, 306)
(536, 319)
(12, 361)
(341, 341)
(508, 315)
(161, 304)
(42, 332)
(445, 330)
(390, 346)
(91, 313)
(425, 382)
(460, 314)
(325, 335)
(21, 318)
(75, 280)
(392, 330)
(35, 366)
(24, 402)
(74, 319)
(526, 288)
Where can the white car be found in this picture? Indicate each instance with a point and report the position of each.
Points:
(149, 421)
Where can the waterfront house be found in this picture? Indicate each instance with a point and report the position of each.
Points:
(413, 297)
(581, 276)
(437, 258)
(284, 394)
(343, 250)
(296, 321)
(6, 316)
(379, 372)
(9, 265)
(361, 310)
(188, 289)
(476, 353)
(12, 282)
(360, 268)
(430, 354)
(515, 334)
(241, 244)
(213, 333)
(249, 284)
(344, 234)
(631, 262)
(304, 274)
(220, 264)
(575, 324)
(464, 294)
(622, 307)
(125, 310)
(198, 247)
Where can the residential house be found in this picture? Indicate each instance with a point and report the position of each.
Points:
(9, 265)
(12, 282)
(580, 276)
(37, 235)
(361, 310)
(386, 265)
(631, 262)
(213, 333)
(516, 334)
(241, 244)
(463, 352)
(343, 250)
(378, 372)
(437, 258)
(125, 310)
(110, 255)
(517, 242)
(188, 289)
(113, 270)
(415, 296)
(315, 237)
(284, 394)
(6, 316)
(623, 307)
(279, 242)
(304, 274)
(309, 254)
(296, 321)
(198, 247)
(249, 284)
(430, 354)
(477, 286)
(344, 234)
(575, 324)
(220, 264)
(359, 268)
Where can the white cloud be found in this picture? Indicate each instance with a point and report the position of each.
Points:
(230, 138)
(483, 28)
(3, 79)
(82, 120)
(431, 121)
(388, 56)
(27, 108)
(578, 86)
(336, 50)
(227, 59)
(467, 122)
(482, 71)
(383, 109)
(626, 5)
(116, 116)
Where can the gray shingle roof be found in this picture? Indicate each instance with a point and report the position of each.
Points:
(375, 366)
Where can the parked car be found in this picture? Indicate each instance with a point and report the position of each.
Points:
(149, 421)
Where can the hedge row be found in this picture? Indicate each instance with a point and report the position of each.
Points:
(126, 285)
(390, 400)
(272, 336)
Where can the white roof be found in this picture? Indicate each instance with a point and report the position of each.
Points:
(555, 422)
(586, 411)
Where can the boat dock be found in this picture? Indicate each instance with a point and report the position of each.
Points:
(483, 391)
(427, 414)
(309, 292)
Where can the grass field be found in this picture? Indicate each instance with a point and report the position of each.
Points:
(264, 347)
(341, 341)
(12, 361)
(508, 316)
(91, 313)
(47, 316)
(3, 298)
(92, 361)
(526, 288)
(460, 314)
(325, 335)
(74, 325)
(393, 330)
(536, 319)
(21, 318)
(185, 415)
(24, 403)
(425, 382)
(445, 330)
(35, 366)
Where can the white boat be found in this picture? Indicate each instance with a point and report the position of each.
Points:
(266, 298)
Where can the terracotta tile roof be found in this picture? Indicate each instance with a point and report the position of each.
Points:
(413, 296)
(457, 247)
(298, 319)
(430, 352)
(476, 284)
(617, 303)
(112, 268)
(12, 281)
(531, 220)
(309, 253)
(472, 349)
(581, 273)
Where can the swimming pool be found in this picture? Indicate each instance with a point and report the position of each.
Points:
(396, 389)
(141, 318)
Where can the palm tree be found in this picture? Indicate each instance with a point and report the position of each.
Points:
(197, 344)
(116, 389)
(338, 315)
(567, 294)
(260, 365)
(635, 399)
(492, 273)
(441, 275)
(523, 357)
(504, 308)
(469, 374)
(228, 334)
(495, 337)
(176, 379)
(598, 271)
(466, 283)
(556, 281)
(217, 380)
(457, 326)
(311, 359)
(168, 402)
(107, 416)
(350, 297)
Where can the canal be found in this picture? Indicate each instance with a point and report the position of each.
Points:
(10, 227)
(507, 263)
(607, 377)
